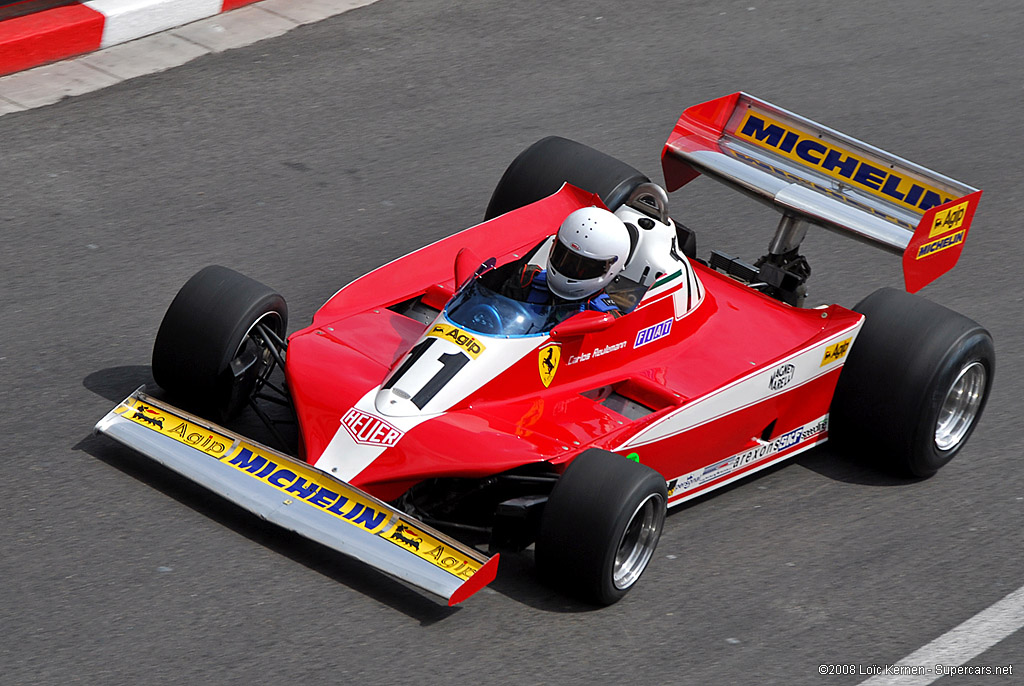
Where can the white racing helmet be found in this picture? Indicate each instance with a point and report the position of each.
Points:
(590, 250)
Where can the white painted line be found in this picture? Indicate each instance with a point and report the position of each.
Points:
(957, 646)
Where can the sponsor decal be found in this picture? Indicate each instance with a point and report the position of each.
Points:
(712, 472)
(459, 337)
(431, 549)
(596, 352)
(369, 429)
(148, 415)
(304, 484)
(781, 377)
(653, 333)
(547, 362)
(835, 352)
(949, 220)
(939, 245)
(406, 536)
(847, 166)
(786, 441)
(186, 432)
(635, 457)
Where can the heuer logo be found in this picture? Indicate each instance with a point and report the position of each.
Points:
(781, 377)
(367, 429)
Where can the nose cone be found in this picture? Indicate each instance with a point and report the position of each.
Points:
(395, 403)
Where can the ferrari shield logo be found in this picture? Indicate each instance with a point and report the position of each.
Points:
(548, 362)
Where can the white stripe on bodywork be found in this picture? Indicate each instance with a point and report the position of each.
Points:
(740, 394)
(690, 296)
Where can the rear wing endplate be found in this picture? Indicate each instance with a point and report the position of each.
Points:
(298, 497)
(815, 173)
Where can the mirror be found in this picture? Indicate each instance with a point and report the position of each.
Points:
(466, 264)
(583, 323)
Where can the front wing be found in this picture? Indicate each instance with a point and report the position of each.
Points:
(298, 497)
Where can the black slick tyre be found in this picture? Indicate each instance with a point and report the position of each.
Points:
(914, 385)
(207, 352)
(541, 169)
(600, 526)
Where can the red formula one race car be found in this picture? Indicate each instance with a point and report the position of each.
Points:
(479, 391)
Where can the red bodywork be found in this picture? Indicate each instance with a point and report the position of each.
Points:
(513, 419)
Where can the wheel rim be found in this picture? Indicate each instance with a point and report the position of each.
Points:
(960, 406)
(243, 384)
(272, 320)
(637, 543)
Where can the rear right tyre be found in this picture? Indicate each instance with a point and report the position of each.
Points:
(914, 385)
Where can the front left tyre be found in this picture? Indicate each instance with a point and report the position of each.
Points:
(600, 526)
(213, 344)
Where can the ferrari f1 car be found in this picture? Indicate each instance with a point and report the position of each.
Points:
(439, 417)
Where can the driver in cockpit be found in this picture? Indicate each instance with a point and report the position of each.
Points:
(589, 251)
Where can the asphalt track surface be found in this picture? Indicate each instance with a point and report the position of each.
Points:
(311, 158)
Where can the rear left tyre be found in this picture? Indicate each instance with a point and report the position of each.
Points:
(541, 169)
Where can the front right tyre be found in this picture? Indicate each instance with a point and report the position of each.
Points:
(600, 526)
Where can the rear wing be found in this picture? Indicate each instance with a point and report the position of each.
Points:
(292, 494)
(811, 172)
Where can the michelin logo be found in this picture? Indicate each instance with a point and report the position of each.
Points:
(940, 245)
(363, 515)
(812, 151)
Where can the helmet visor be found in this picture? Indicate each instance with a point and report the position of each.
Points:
(577, 267)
